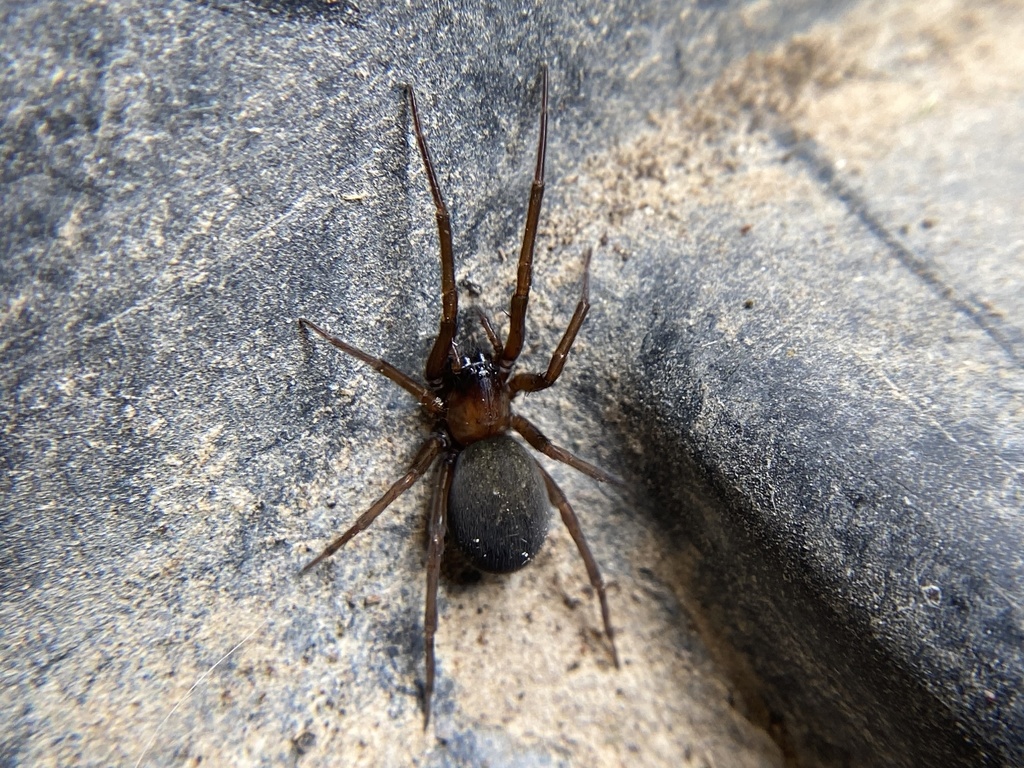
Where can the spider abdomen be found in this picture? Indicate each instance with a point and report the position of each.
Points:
(498, 508)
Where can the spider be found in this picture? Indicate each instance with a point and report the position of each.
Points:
(492, 498)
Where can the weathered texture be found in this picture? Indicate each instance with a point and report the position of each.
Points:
(814, 397)
(828, 378)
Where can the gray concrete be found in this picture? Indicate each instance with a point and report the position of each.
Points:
(804, 356)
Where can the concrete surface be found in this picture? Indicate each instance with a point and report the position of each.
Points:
(803, 356)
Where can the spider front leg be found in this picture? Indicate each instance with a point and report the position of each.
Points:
(524, 278)
(449, 296)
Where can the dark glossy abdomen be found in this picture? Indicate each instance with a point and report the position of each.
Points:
(498, 507)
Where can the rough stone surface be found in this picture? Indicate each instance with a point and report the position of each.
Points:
(828, 378)
(804, 356)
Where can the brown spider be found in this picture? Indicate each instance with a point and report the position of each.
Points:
(491, 495)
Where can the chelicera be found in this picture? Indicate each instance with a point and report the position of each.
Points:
(492, 497)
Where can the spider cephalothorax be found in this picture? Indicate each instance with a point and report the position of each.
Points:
(479, 403)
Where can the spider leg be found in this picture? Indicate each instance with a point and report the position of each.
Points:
(427, 399)
(533, 382)
(573, 524)
(517, 322)
(427, 453)
(449, 297)
(436, 528)
(533, 436)
(492, 335)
